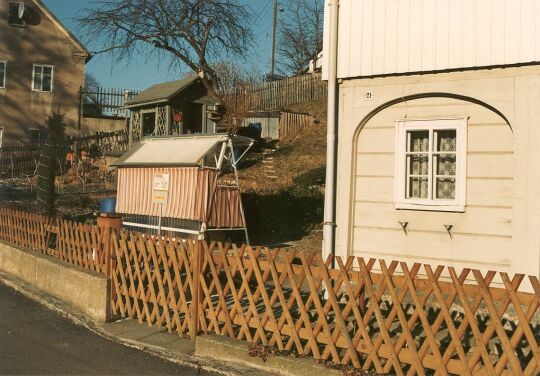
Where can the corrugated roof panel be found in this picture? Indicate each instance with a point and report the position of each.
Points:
(178, 151)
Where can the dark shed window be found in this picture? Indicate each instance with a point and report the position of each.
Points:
(13, 15)
(149, 123)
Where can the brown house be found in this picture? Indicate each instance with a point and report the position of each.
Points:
(41, 70)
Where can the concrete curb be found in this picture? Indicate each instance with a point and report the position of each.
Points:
(232, 350)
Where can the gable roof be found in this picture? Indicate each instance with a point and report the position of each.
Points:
(161, 92)
(63, 28)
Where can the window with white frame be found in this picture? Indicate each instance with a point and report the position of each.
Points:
(431, 164)
(3, 66)
(42, 78)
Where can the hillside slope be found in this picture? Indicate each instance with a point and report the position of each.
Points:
(283, 186)
(292, 157)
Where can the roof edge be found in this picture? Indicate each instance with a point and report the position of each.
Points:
(130, 103)
(190, 82)
(63, 28)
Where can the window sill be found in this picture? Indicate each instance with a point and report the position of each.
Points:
(41, 91)
(456, 208)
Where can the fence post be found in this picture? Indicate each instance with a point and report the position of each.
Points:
(110, 265)
(56, 222)
(196, 298)
(108, 224)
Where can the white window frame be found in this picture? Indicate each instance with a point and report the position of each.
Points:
(5, 74)
(34, 77)
(401, 200)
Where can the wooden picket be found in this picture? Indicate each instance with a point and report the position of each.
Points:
(397, 318)
(105, 141)
(290, 123)
(16, 161)
(75, 243)
(27, 230)
(104, 101)
(275, 94)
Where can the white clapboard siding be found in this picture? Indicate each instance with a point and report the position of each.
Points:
(482, 234)
(378, 37)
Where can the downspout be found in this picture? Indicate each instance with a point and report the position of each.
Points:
(329, 227)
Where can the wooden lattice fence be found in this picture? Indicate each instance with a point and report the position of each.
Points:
(396, 318)
(153, 281)
(393, 318)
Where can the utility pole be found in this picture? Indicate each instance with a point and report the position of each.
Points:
(274, 41)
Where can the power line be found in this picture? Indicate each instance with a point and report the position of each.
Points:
(263, 10)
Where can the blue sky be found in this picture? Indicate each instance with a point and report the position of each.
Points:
(140, 73)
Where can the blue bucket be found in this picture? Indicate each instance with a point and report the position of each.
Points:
(108, 205)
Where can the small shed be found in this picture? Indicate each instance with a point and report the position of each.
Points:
(173, 108)
(268, 120)
(170, 185)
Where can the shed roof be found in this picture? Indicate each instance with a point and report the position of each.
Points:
(162, 92)
(181, 151)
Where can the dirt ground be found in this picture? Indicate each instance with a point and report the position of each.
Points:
(292, 156)
(298, 167)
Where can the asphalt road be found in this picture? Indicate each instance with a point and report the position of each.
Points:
(37, 341)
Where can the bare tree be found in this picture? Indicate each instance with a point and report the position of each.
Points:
(235, 81)
(91, 101)
(90, 82)
(190, 32)
(300, 35)
(233, 74)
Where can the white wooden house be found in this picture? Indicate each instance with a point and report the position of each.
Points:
(439, 131)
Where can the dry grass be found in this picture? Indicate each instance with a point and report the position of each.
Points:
(294, 155)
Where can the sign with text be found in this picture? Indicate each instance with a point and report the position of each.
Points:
(161, 181)
(160, 188)
(160, 197)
